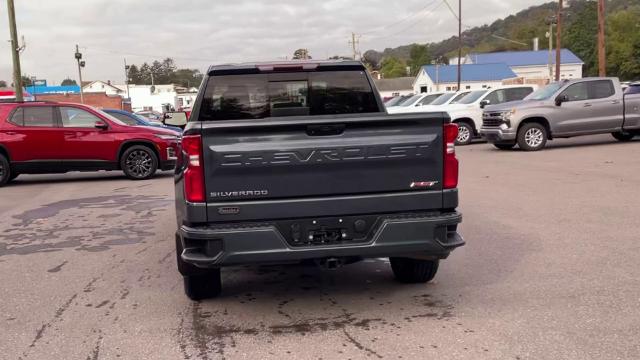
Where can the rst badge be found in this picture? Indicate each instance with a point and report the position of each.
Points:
(423, 184)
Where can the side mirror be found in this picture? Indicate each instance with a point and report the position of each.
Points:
(101, 125)
(176, 118)
(484, 103)
(560, 99)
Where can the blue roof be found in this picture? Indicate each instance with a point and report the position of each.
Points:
(470, 72)
(524, 58)
(53, 89)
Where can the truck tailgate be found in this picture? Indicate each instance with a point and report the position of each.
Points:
(303, 158)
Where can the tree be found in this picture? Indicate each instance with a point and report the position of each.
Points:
(187, 77)
(392, 67)
(3, 84)
(581, 37)
(68, 82)
(418, 57)
(26, 80)
(623, 44)
(301, 54)
(134, 75)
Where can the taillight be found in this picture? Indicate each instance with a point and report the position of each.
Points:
(450, 170)
(194, 172)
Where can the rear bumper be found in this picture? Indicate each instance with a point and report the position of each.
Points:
(424, 236)
(498, 134)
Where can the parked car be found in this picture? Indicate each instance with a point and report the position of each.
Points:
(467, 112)
(561, 110)
(44, 137)
(316, 171)
(137, 120)
(150, 115)
(414, 101)
(439, 104)
(395, 101)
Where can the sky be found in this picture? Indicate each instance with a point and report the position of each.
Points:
(198, 33)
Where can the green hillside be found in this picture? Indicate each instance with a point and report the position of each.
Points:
(579, 35)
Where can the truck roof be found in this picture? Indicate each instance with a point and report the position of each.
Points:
(283, 65)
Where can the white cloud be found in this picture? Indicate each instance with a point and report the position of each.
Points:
(197, 33)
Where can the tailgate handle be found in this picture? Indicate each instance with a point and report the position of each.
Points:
(325, 130)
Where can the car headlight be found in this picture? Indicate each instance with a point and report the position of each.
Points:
(506, 115)
(167, 137)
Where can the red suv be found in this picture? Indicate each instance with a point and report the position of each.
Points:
(44, 137)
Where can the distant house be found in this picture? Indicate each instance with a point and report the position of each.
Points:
(433, 78)
(100, 86)
(394, 87)
(532, 64)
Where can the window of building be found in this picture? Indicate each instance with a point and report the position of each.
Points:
(468, 87)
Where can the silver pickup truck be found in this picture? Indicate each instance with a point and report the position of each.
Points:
(561, 110)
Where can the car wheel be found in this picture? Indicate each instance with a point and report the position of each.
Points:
(203, 286)
(623, 136)
(504, 146)
(465, 134)
(412, 271)
(139, 162)
(5, 170)
(532, 137)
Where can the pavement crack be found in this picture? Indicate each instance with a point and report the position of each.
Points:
(359, 345)
(57, 268)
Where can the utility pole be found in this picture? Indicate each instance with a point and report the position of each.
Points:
(81, 64)
(602, 55)
(126, 76)
(15, 54)
(551, 20)
(558, 39)
(354, 45)
(460, 41)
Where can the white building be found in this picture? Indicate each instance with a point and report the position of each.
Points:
(99, 86)
(434, 78)
(154, 97)
(186, 99)
(532, 65)
(394, 87)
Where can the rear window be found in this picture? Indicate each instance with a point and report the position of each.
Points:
(34, 116)
(257, 96)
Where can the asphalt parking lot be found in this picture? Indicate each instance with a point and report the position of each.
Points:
(550, 271)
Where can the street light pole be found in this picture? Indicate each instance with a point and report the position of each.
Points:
(15, 55)
(81, 64)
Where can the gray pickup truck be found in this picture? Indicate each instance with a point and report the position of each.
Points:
(561, 110)
(299, 162)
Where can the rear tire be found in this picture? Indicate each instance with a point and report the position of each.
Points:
(532, 137)
(5, 170)
(199, 283)
(504, 146)
(465, 133)
(623, 136)
(413, 271)
(139, 162)
(205, 286)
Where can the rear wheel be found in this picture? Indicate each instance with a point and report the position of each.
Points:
(5, 170)
(203, 286)
(623, 136)
(465, 133)
(412, 271)
(199, 284)
(139, 162)
(532, 137)
(504, 146)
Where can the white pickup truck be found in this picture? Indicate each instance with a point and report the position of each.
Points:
(439, 104)
(467, 112)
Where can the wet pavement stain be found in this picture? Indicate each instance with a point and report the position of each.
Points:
(55, 269)
(74, 224)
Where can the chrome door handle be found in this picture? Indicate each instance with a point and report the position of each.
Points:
(615, 102)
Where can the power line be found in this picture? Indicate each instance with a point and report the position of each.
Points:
(424, 12)
(413, 14)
